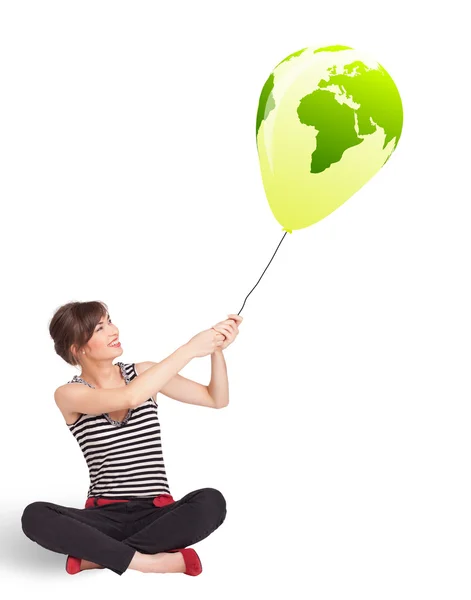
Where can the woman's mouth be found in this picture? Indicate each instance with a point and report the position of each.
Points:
(116, 344)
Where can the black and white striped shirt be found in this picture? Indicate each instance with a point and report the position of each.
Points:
(124, 458)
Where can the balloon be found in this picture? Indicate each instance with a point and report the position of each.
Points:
(328, 119)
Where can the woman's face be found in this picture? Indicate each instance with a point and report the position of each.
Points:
(98, 345)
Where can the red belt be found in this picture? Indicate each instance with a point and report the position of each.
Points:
(160, 500)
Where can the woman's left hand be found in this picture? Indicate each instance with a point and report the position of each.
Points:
(229, 328)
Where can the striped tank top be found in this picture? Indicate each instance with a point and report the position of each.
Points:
(124, 458)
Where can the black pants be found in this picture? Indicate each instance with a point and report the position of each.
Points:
(109, 535)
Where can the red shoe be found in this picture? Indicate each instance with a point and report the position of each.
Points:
(192, 561)
(72, 565)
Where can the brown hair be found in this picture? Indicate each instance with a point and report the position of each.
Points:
(74, 323)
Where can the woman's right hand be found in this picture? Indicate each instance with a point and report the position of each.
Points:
(206, 342)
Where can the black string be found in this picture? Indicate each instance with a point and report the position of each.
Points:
(263, 272)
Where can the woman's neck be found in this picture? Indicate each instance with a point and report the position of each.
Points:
(104, 376)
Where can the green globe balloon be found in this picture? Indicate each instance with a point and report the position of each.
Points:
(328, 119)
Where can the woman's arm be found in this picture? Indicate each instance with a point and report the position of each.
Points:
(154, 379)
(188, 391)
(219, 385)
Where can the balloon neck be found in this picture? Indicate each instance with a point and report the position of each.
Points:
(288, 230)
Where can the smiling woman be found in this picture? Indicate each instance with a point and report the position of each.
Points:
(74, 325)
(113, 415)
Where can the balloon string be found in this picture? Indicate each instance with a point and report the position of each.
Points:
(263, 271)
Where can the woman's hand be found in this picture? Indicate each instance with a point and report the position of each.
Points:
(206, 342)
(229, 328)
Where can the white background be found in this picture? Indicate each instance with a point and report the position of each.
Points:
(129, 174)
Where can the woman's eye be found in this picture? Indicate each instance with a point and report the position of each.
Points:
(109, 320)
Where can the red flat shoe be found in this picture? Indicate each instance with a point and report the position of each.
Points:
(72, 565)
(192, 561)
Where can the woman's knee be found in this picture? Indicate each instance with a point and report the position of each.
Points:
(215, 502)
(32, 515)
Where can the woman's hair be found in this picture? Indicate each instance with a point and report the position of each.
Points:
(74, 323)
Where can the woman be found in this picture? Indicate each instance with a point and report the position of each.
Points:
(130, 519)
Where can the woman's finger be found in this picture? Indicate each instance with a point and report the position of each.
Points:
(219, 333)
(236, 318)
(226, 328)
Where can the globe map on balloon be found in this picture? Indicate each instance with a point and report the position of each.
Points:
(328, 119)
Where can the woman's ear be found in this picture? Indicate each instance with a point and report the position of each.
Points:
(74, 351)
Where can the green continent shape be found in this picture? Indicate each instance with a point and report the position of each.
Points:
(335, 124)
(266, 102)
(377, 95)
(332, 49)
(289, 57)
